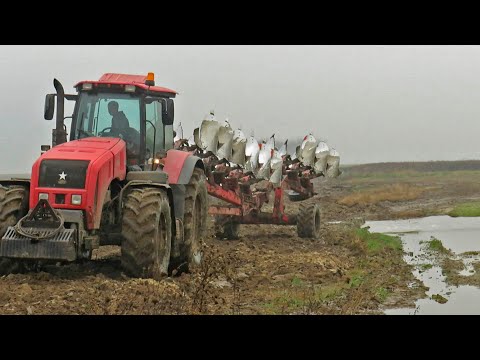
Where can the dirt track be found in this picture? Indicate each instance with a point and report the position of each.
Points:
(269, 270)
(241, 276)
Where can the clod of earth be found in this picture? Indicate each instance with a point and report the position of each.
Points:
(439, 298)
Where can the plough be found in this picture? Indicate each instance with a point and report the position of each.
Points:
(246, 186)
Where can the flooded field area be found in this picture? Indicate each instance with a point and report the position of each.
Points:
(432, 244)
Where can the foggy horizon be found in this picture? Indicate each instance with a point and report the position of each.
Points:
(371, 103)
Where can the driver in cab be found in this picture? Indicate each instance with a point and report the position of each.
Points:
(119, 120)
(121, 128)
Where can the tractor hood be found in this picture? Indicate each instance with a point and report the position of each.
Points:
(83, 149)
(82, 168)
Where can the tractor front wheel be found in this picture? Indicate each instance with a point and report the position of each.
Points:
(13, 206)
(147, 233)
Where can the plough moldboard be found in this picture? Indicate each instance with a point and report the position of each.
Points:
(244, 173)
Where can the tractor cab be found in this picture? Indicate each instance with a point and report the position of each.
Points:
(129, 107)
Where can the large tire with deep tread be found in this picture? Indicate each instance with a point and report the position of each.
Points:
(188, 253)
(226, 229)
(13, 206)
(308, 220)
(146, 232)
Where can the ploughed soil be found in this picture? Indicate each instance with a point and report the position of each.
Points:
(269, 269)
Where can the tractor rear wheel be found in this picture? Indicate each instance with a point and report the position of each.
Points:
(147, 233)
(226, 229)
(13, 206)
(308, 220)
(188, 254)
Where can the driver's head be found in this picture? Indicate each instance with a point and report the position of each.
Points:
(113, 107)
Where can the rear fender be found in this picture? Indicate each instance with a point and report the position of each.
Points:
(179, 166)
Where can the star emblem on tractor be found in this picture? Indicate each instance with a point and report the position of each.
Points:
(63, 176)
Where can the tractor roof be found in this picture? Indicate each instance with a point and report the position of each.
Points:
(126, 79)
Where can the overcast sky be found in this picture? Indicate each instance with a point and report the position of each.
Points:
(372, 103)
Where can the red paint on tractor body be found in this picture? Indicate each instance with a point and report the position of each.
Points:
(107, 158)
(126, 79)
(173, 164)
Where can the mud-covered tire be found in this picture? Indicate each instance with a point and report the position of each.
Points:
(188, 254)
(226, 229)
(146, 232)
(308, 220)
(13, 206)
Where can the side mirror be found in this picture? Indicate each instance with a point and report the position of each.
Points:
(44, 148)
(49, 106)
(168, 114)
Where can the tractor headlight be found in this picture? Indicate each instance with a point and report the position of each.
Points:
(130, 88)
(43, 196)
(76, 199)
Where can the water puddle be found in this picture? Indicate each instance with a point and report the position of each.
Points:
(460, 235)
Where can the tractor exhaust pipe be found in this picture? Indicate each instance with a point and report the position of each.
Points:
(59, 134)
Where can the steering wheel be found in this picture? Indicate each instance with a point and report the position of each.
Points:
(102, 133)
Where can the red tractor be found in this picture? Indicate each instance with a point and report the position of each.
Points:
(116, 181)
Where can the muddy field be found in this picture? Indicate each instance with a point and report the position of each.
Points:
(269, 270)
